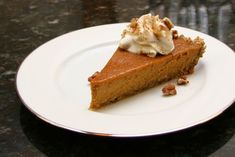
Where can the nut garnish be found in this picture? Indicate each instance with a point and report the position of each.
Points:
(168, 23)
(93, 76)
(134, 26)
(133, 23)
(169, 89)
(148, 35)
(175, 34)
(182, 80)
(157, 28)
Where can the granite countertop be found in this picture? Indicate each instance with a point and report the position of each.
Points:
(27, 24)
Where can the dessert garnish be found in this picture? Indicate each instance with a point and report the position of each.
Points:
(169, 89)
(182, 80)
(149, 35)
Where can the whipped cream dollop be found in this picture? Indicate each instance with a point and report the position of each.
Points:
(148, 35)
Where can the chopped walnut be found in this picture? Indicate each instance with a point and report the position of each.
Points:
(157, 29)
(133, 23)
(168, 23)
(169, 89)
(134, 27)
(175, 34)
(93, 76)
(182, 80)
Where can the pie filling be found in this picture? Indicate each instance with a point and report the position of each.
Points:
(147, 63)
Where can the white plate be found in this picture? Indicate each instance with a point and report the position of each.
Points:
(52, 83)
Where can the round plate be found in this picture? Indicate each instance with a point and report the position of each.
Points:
(52, 83)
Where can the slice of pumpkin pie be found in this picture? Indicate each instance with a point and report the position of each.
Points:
(149, 53)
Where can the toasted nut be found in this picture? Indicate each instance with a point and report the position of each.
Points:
(169, 89)
(93, 76)
(157, 30)
(133, 23)
(175, 34)
(182, 80)
(168, 23)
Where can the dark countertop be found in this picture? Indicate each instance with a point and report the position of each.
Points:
(26, 24)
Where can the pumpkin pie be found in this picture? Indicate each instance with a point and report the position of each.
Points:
(127, 73)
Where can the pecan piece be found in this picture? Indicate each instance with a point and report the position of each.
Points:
(174, 34)
(168, 23)
(182, 80)
(169, 89)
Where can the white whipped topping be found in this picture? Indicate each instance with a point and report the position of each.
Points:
(147, 35)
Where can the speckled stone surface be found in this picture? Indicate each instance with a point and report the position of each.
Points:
(26, 24)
